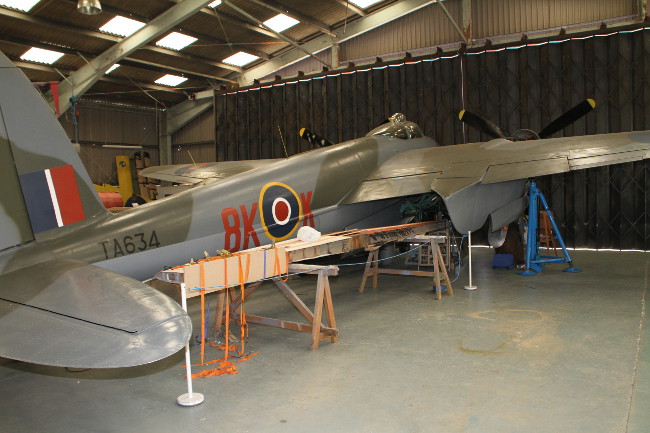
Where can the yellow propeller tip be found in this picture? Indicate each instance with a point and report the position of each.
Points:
(302, 131)
(461, 114)
(592, 102)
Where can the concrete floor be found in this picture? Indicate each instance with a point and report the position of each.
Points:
(556, 352)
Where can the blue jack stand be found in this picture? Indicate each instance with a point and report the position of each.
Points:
(535, 261)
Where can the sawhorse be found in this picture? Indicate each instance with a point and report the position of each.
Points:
(315, 327)
(439, 273)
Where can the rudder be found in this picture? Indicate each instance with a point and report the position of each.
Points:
(45, 185)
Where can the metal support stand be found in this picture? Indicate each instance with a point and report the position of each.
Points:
(191, 398)
(535, 261)
(469, 250)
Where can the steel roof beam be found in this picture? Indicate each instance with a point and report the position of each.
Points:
(235, 21)
(283, 37)
(81, 80)
(112, 38)
(292, 13)
(182, 113)
(115, 80)
(207, 38)
(352, 7)
(129, 61)
(354, 28)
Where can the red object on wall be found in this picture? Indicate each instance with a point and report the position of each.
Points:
(111, 199)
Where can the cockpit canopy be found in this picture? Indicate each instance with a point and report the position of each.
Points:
(397, 126)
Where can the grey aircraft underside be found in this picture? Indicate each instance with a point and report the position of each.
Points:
(69, 270)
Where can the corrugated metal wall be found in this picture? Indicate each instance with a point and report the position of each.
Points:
(429, 27)
(524, 87)
(500, 17)
(194, 142)
(100, 125)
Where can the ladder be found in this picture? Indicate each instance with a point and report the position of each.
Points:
(534, 260)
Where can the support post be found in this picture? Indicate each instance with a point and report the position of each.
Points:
(469, 241)
(191, 398)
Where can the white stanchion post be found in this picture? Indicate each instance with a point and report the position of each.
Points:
(191, 398)
(469, 240)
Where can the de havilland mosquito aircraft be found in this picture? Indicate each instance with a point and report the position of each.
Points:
(70, 293)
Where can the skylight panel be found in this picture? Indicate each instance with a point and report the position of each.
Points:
(176, 41)
(240, 59)
(280, 22)
(170, 80)
(22, 5)
(214, 4)
(364, 3)
(121, 26)
(112, 68)
(41, 56)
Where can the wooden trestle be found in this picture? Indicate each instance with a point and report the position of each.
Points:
(206, 277)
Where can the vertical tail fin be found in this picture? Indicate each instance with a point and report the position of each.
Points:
(44, 183)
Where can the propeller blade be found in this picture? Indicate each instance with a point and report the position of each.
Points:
(478, 122)
(568, 118)
(315, 139)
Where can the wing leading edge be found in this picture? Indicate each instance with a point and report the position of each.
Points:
(203, 172)
(72, 314)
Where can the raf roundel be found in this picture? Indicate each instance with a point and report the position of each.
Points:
(280, 210)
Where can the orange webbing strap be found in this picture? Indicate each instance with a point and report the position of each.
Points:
(278, 269)
(225, 367)
(202, 282)
(225, 355)
(243, 325)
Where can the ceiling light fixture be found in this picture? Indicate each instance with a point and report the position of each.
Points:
(214, 4)
(89, 7)
(176, 41)
(22, 5)
(170, 80)
(40, 55)
(280, 22)
(112, 68)
(240, 59)
(121, 26)
(364, 3)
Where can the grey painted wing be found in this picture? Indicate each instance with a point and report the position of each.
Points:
(72, 314)
(449, 169)
(196, 173)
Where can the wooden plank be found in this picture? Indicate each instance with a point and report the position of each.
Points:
(318, 313)
(329, 306)
(300, 268)
(295, 300)
(325, 332)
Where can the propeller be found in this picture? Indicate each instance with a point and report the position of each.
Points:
(568, 118)
(482, 124)
(493, 130)
(315, 139)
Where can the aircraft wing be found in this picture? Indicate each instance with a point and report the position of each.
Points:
(449, 169)
(72, 314)
(477, 180)
(196, 173)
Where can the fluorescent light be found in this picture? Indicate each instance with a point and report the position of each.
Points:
(170, 80)
(214, 4)
(23, 5)
(240, 59)
(364, 3)
(121, 26)
(41, 56)
(112, 68)
(175, 41)
(280, 22)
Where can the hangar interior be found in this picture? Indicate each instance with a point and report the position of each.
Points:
(551, 352)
